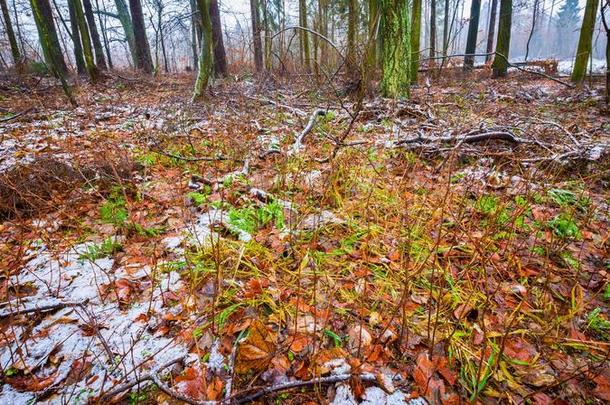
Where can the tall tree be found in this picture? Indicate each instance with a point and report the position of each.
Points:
(396, 48)
(531, 35)
(415, 38)
(433, 29)
(446, 29)
(256, 36)
(125, 20)
(352, 18)
(85, 39)
(568, 19)
(585, 42)
(500, 64)
(100, 60)
(606, 23)
(304, 36)
(491, 31)
(220, 56)
(473, 30)
(373, 27)
(142, 60)
(47, 33)
(205, 54)
(11, 35)
(102, 19)
(78, 48)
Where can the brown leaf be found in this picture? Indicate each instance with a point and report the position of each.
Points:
(257, 350)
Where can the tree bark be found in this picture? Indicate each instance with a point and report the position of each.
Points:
(85, 40)
(352, 17)
(78, 48)
(104, 35)
(396, 48)
(432, 29)
(304, 37)
(446, 29)
(220, 56)
(584, 42)
(100, 60)
(473, 30)
(491, 31)
(500, 64)
(143, 59)
(256, 36)
(205, 55)
(43, 16)
(11, 35)
(127, 24)
(415, 38)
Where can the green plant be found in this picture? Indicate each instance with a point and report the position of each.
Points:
(113, 210)
(250, 219)
(563, 225)
(198, 198)
(486, 204)
(107, 248)
(607, 292)
(597, 323)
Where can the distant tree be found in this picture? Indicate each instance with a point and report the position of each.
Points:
(11, 35)
(100, 60)
(583, 51)
(568, 20)
(256, 36)
(395, 28)
(220, 56)
(85, 39)
(473, 30)
(605, 21)
(206, 61)
(432, 29)
(500, 64)
(49, 41)
(142, 59)
(304, 36)
(491, 31)
(415, 38)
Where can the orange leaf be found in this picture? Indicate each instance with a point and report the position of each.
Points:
(257, 350)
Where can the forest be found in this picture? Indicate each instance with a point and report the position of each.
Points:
(217, 202)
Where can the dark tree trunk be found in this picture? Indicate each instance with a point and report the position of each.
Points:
(11, 34)
(195, 34)
(500, 65)
(143, 60)
(491, 33)
(78, 49)
(473, 30)
(95, 38)
(256, 36)
(43, 15)
(432, 30)
(85, 39)
(220, 56)
(102, 20)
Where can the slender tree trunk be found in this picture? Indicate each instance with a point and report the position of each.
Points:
(194, 23)
(491, 32)
(473, 30)
(206, 61)
(127, 24)
(396, 48)
(85, 40)
(529, 38)
(352, 17)
(11, 35)
(267, 44)
(19, 36)
(415, 38)
(373, 32)
(78, 49)
(500, 64)
(43, 15)
(143, 60)
(446, 29)
(606, 24)
(304, 36)
(432, 30)
(95, 37)
(584, 42)
(102, 19)
(256, 36)
(220, 56)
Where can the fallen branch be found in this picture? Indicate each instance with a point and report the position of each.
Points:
(12, 117)
(461, 139)
(7, 313)
(298, 143)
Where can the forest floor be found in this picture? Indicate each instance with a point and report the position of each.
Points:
(452, 248)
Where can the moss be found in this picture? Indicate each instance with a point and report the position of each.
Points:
(396, 49)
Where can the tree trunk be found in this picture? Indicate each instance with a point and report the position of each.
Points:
(500, 64)
(584, 42)
(256, 36)
(373, 33)
(352, 18)
(95, 37)
(85, 40)
(446, 29)
(415, 38)
(220, 56)
(304, 36)
(11, 35)
(43, 16)
(491, 32)
(143, 59)
(205, 56)
(78, 49)
(396, 48)
(473, 30)
(126, 23)
(194, 30)
(104, 34)
(432, 30)
(529, 38)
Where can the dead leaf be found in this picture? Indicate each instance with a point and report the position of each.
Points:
(256, 352)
